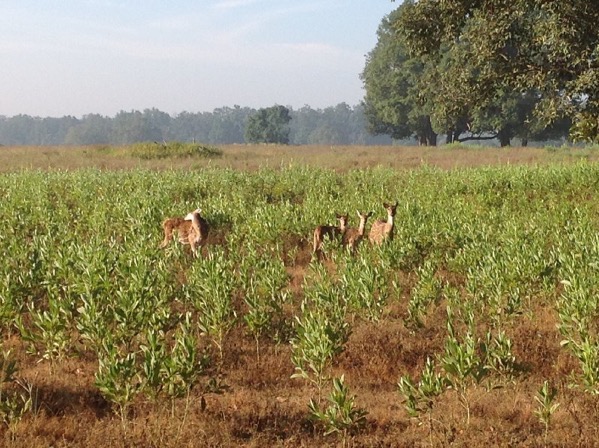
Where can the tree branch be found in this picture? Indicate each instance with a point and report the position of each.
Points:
(476, 137)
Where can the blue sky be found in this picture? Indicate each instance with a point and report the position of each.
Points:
(74, 57)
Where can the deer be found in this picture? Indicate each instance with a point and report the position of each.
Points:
(192, 229)
(382, 230)
(327, 231)
(352, 236)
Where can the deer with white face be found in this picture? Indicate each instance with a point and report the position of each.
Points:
(353, 236)
(192, 230)
(382, 230)
(330, 232)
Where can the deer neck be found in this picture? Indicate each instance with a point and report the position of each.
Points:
(390, 221)
(361, 227)
(195, 221)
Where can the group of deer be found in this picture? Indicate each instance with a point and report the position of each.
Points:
(193, 230)
(351, 237)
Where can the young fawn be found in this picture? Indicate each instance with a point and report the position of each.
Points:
(331, 232)
(353, 236)
(192, 230)
(383, 230)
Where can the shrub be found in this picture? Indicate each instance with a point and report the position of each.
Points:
(155, 150)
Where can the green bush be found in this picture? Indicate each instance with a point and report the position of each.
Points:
(155, 150)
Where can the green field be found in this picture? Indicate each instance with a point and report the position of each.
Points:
(477, 324)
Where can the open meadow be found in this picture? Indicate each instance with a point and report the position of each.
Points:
(477, 324)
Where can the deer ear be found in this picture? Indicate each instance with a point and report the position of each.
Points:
(385, 205)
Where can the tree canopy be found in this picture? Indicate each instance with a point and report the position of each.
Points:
(545, 50)
(268, 125)
(443, 66)
(397, 101)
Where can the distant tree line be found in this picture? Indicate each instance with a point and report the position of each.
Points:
(337, 125)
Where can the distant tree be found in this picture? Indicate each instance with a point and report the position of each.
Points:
(339, 124)
(336, 125)
(268, 125)
(155, 121)
(19, 130)
(134, 126)
(228, 124)
(303, 123)
(189, 126)
(92, 129)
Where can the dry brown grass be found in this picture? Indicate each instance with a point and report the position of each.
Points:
(252, 157)
(260, 405)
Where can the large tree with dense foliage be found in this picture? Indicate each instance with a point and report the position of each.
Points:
(545, 48)
(417, 93)
(396, 101)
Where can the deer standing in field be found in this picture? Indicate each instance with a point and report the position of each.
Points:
(330, 232)
(353, 236)
(383, 230)
(192, 230)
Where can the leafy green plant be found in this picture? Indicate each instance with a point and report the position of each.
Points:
(184, 363)
(425, 292)
(264, 280)
(462, 361)
(421, 397)
(13, 403)
(319, 338)
(117, 377)
(497, 349)
(341, 415)
(546, 405)
(51, 329)
(209, 290)
(364, 287)
(153, 360)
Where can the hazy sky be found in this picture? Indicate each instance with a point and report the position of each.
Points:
(74, 57)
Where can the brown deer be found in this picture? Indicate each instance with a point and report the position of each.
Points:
(330, 232)
(353, 236)
(383, 230)
(192, 230)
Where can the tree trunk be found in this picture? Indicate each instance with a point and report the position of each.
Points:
(431, 139)
(427, 137)
(504, 138)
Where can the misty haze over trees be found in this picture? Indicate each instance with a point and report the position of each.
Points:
(486, 70)
(336, 125)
